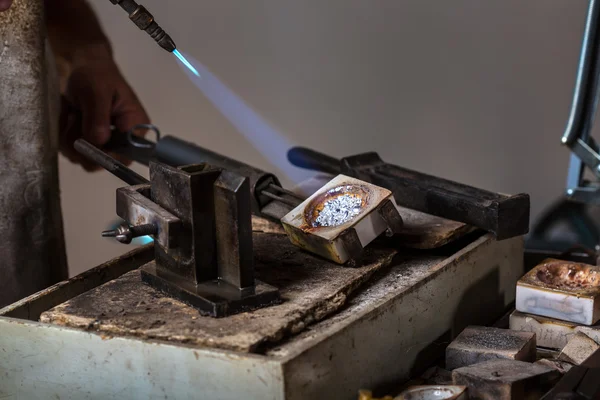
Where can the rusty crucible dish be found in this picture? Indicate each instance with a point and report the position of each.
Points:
(342, 218)
(563, 290)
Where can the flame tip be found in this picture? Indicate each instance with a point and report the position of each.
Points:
(185, 62)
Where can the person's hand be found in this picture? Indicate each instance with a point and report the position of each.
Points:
(5, 5)
(96, 97)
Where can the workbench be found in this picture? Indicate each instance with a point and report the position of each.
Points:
(373, 333)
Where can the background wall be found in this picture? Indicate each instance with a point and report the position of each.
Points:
(476, 91)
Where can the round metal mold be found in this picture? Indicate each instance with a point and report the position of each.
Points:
(337, 206)
(569, 276)
(433, 393)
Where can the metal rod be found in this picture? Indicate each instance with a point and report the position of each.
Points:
(288, 192)
(585, 96)
(280, 199)
(113, 166)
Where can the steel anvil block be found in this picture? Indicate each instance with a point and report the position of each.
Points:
(477, 344)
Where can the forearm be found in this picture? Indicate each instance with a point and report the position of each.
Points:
(74, 31)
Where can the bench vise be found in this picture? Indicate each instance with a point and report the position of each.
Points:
(200, 218)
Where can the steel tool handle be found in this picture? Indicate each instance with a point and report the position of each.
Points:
(113, 166)
(313, 160)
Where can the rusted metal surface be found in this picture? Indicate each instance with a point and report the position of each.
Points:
(311, 289)
(32, 245)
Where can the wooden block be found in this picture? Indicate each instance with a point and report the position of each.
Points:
(579, 348)
(477, 344)
(549, 333)
(505, 380)
(312, 288)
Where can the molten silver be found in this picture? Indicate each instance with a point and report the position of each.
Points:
(339, 210)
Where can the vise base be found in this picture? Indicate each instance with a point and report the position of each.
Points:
(215, 297)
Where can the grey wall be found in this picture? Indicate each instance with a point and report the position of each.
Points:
(476, 91)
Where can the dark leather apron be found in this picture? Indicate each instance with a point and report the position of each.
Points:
(32, 250)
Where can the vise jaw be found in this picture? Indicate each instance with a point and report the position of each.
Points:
(201, 222)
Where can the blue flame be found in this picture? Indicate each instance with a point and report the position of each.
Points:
(186, 62)
(263, 137)
(140, 241)
(143, 240)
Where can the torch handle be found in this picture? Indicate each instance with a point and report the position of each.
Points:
(313, 160)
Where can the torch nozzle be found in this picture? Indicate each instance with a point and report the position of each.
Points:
(144, 20)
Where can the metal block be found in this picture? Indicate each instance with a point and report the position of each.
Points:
(342, 218)
(188, 193)
(478, 343)
(563, 290)
(579, 348)
(233, 224)
(549, 333)
(505, 380)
